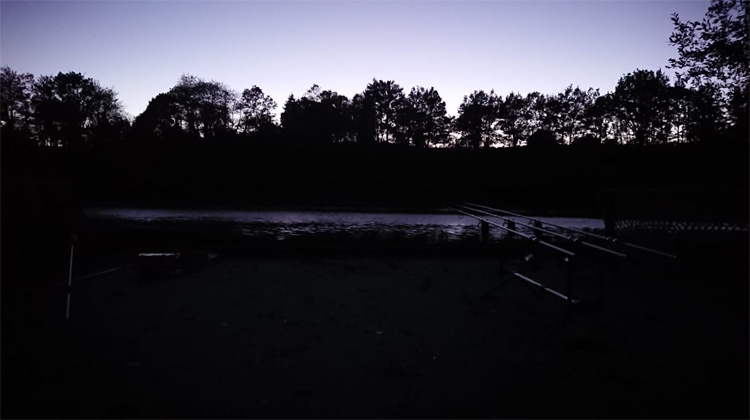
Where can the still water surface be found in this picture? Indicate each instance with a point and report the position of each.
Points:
(287, 224)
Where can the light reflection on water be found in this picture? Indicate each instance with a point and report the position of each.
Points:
(435, 227)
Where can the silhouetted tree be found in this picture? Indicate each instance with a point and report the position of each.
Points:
(160, 120)
(598, 116)
(422, 119)
(478, 119)
(364, 119)
(72, 110)
(642, 104)
(584, 112)
(571, 113)
(15, 103)
(738, 110)
(193, 107)
(716, 51)
(536, 112)
(705, 120)
(387, 97)
(206, 107)
(681, 108)
(318, 117)
(613, 128)
(336, 116)
(292, 119)
(515, 116)
(256, 111)
(108, 121)
(542, 139)
(587, 141)
(551, 111)
(47, 112)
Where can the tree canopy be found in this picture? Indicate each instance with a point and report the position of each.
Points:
(69, 110)
(256, 111)
(715, 52)
(478, 119)
(707, 103)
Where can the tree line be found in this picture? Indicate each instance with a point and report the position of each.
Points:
(707, 102)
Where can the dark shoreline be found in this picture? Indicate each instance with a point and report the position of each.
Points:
(444, 208)
(682, 178)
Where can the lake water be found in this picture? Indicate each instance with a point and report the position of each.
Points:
(281, 225)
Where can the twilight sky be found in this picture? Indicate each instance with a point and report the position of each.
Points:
(140, 48)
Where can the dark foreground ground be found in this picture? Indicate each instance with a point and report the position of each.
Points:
(383, 335)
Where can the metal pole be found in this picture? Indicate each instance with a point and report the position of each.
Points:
(569, 278)
(70, 281)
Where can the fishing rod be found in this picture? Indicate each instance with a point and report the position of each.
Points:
(546, 289)
(606, 238)
(523, 235)
(559, 235)
(70, 277)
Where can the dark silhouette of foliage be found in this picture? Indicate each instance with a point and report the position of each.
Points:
(542, 139)
(537, 111)
(15, 103)
(697, 113)
(478, 120)
(738, 110)
(319, 117)
(365, 120)
(599, 115)
(588, 141)
(204, 107)
(550, 110)
(642, 103)
(71, 110)
(571, 113)
(514, 116)
(716, 51)
(387, 98)
(335, 116)
(708, 103)
(193, 108)
(256, 111)
(422, 119)
(717, 48)
(580, 116)
(295, 121)
(160, 119)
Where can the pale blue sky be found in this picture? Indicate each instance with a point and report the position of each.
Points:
(140, 48)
